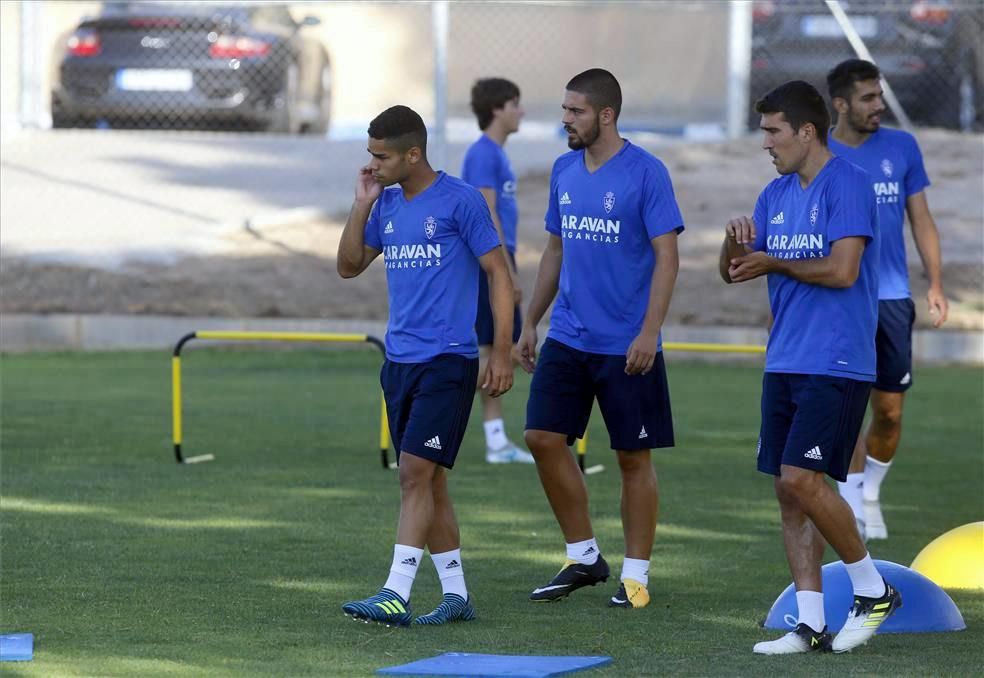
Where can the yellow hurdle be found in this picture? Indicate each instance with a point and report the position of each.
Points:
(235, 335)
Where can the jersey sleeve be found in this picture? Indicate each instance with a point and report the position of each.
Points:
(916, 178)
(660, 212)
(372, 237)
(761, 218)
(481, 166)
(475, 224)
(851, 208)
(552, 219)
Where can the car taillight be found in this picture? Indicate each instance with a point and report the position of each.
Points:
(762, 10)
(84, 44)
(237, 47)
(930, 12)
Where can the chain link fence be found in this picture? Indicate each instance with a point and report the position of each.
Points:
(314, 67)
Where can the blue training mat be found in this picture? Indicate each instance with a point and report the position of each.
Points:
(491, 665)
(16, 647)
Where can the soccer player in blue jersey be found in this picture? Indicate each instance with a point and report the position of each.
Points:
(814, 233)
(435, 234)
(495, 102)
(611, 261)
(898, 179)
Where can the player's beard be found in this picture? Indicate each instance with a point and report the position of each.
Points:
(863, 125)
(591, 136)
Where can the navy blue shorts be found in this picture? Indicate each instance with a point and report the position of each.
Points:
(636, 408)
(893, 345)
(484, 325)
(428, 405)
(811, 421)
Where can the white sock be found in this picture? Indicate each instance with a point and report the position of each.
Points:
(406, 560)
(851, 491)
(874, 473)
(585, 552)
(865, 578)
(810, 604)
(633, 568)
(449, 570)
(495, 434)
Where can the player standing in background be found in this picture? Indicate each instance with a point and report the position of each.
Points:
(435, 233)
(611, 260)
(893, 160)
(814, 233)
(495, 102)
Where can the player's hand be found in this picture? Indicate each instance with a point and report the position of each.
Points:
(641, 355)
(749, 266)
(526, 349)
(367, 189)
(499, 373)
(741, 230)
(939, 307)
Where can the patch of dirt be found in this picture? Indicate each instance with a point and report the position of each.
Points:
(289, 270)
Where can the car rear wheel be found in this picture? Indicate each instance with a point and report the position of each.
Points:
(285, 119)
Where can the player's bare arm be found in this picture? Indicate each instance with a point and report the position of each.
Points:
(739, 234)
(499, 372)
(544, 291)
(641, 355)
(927, 239)
(839, 269)
(491, 199)
(354, 256)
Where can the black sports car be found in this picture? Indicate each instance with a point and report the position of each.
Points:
(930, 51)
(165, 65)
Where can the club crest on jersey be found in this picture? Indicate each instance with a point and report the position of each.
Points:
(814, 211)
(886, 167)
(430, 227)
(609, 202)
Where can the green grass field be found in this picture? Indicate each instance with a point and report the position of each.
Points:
(123, 563)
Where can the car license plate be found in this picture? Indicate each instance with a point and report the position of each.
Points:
(154, 80)
(825, 26)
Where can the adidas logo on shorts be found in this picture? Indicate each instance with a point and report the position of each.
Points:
(778, 219)
(814, 453)
(643, 434)
(411, 561)
(565, 199)
(434, 442)
(452, 565)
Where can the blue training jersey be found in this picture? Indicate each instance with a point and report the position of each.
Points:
(817, 329)
(606, 220)
(894, 161)
(486, 165)
(431, 246)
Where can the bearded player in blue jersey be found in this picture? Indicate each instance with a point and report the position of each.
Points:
(814, 233)
(898, 180)
(435, 234)
(611, 260)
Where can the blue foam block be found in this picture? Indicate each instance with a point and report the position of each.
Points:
(16, 647)
(489, 665)
(925, 606)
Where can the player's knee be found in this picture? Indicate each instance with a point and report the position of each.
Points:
(888, 416)
(539, 442)
(635, 463)
(796, 485)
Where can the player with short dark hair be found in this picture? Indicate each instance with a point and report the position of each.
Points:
(435, 234)
(814, 233)
(611, 260)
(898, 179)
(495, 102)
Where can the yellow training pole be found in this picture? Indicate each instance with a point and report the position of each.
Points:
(582, 449)
(176, 404)
(384, 437)
(279, 336)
